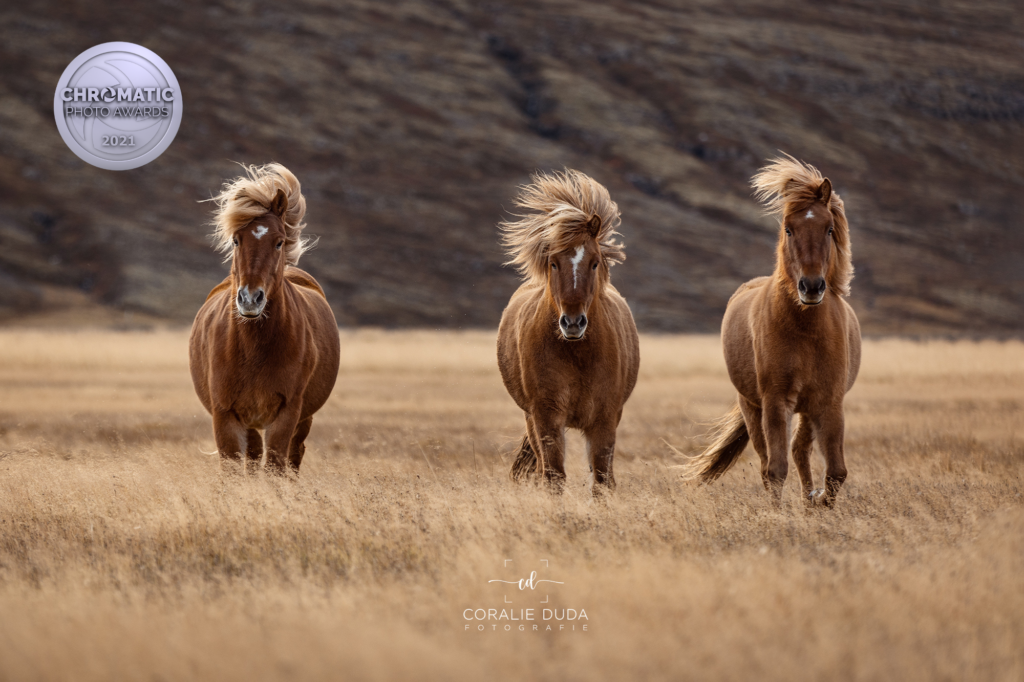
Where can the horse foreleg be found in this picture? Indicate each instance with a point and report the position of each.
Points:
(279, 438)
(253, 450)
(601, 452)
(775, 420)
(549, 433)
(803, 441)
(297, 448)
(231, 439)
(831, 430)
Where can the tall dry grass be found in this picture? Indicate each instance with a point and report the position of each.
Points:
(124, 553)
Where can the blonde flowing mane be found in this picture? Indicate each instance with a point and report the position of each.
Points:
(249, 196)
(786, 186)
(560, 210)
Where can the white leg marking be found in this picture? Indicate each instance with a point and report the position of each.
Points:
(575, 260)
(810, 214)
(259, 232)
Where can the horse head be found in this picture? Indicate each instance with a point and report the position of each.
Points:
(805, 246)
(259, 258)
(575, 277)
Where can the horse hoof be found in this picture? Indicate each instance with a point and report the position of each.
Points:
(820, 498)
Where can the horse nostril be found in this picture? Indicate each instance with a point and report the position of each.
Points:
(259, 296)
(809, 287)
(583, 320)
(563, 321)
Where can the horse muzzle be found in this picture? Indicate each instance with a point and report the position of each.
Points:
(250, 303)
(573, 326)
(811, 290)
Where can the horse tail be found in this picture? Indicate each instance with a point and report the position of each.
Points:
(731, 437)
(526, 461)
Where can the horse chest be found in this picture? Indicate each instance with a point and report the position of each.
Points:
(254, 390)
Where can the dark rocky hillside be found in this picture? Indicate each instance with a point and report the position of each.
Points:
(410, 124)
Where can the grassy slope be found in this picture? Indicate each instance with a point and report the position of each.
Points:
(411, 126)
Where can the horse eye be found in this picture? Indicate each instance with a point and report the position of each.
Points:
(788, 233)
(595, 267)
(554, 266)
(279, 245)
(235, 241)
(830, 231)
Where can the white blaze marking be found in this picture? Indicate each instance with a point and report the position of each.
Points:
(259, 232)
(810, 214)
(575, 260)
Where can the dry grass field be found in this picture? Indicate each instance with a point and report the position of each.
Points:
(125, 553)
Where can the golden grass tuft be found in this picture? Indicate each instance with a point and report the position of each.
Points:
(125, 553)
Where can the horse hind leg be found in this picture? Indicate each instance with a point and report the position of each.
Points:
(253, 451)
(297, 448)
(542, 451)
(525, 464)
(803, 443)
(776, 418)
(831, 429)
(752, 417)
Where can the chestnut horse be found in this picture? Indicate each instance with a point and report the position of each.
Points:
(264, 349)
(791, 342)
(567, 345)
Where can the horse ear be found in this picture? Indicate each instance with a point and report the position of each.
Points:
(825, 191)
(279, 205)
(594, 226)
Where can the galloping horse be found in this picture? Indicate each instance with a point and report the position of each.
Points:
(264, 349)
(567, 345)
(792, 344)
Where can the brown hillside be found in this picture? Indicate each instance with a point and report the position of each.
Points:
(411, 124)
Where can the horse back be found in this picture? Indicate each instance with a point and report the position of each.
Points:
(223, 286)
(303, 279)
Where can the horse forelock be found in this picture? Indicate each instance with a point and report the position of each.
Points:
(786, 186)
(250, 196)
(558, 212)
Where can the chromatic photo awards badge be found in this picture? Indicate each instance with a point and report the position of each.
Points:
(118, 106)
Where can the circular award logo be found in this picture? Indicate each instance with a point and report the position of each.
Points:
(118, 106)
